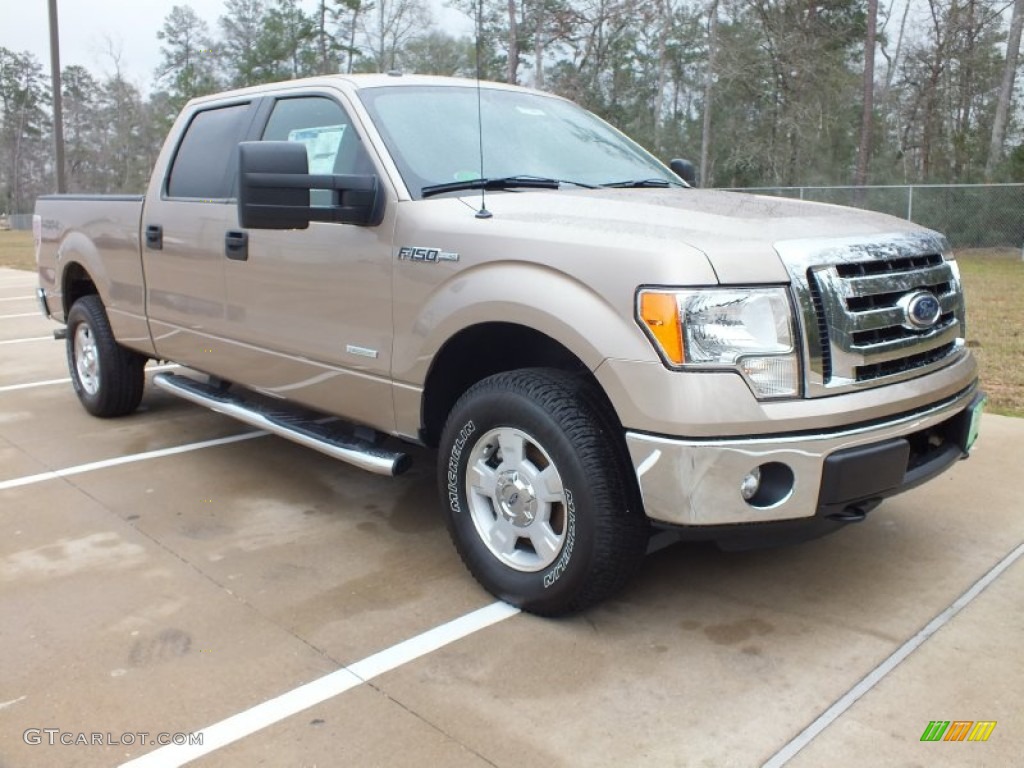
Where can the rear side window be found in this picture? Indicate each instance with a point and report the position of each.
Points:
(203, 166)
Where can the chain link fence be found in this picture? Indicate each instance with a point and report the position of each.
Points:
(970, 215)
(21, 221)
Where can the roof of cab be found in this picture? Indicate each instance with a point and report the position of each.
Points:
(355, 83)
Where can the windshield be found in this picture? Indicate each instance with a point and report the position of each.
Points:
(432, 133)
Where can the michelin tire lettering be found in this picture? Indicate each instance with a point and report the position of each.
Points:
(570, 538)
(453, 465)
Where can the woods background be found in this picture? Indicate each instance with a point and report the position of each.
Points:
(758, 92)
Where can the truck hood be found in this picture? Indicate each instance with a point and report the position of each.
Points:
(737, 233)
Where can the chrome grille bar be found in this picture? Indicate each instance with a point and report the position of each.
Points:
(853, 297)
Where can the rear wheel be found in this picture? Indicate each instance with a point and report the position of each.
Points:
(535, 492)
(107, 378)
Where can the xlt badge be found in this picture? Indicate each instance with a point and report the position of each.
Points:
(433, 255)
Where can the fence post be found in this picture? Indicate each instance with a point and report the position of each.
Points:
(910, 202)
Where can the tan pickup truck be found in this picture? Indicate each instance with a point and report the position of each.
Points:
(595, 348)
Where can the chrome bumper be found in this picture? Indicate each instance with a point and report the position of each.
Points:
(697, 482)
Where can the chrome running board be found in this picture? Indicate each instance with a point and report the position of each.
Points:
(321, 437)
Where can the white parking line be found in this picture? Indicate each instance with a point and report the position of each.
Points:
(66, 380)
(129, 459)
(24, 341)
(327, 687)
(875, 676)
(33, 385)
(26, 314)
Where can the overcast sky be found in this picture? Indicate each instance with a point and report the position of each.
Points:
(130, 26)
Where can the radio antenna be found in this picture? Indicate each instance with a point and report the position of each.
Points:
(483, 213)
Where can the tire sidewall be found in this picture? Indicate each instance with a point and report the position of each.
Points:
(555, 584)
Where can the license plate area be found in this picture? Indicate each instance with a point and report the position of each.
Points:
(973, 414)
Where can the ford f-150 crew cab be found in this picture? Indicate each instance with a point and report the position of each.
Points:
(595, 348)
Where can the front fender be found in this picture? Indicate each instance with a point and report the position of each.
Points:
(591, 326)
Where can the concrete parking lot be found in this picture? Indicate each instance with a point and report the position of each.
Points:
(178, 575)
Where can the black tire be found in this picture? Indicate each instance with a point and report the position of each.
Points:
(107, 378)
(570, 478)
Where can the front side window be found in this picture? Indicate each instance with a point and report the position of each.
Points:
(332, 144)
(204, 163)
(433, 133)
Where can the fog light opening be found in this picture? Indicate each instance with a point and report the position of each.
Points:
(767, 485)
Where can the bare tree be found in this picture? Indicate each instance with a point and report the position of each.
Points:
(995, 149)
(389, 25)
(512, 75)
(868, 102)
(709, 81)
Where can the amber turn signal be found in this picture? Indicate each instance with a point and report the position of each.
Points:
(659, 312)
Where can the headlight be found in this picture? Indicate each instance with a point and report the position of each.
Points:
(749, 330)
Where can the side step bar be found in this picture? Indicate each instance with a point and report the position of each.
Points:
(312, 434)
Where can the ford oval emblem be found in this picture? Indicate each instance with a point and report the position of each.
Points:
(921, 310)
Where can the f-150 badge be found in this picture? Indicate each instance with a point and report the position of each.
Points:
(433, 255)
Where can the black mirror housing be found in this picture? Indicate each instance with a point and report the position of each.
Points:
(685, 170)
(274, 185)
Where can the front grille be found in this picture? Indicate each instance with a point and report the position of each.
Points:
(853, 300)
(879, 370)
(822, 326)
(888, 266)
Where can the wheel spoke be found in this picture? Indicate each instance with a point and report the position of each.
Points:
(545, 541)
(483, 479)
(549, 485)
(512, 448)
(503, 536)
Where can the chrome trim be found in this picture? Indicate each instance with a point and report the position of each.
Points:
(353, 349)
(41, 299)
(837, 307)
(356, 452)
(697, 482)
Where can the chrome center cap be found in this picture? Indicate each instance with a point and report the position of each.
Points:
(516, 498)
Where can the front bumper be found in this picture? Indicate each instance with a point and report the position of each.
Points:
(833, 477)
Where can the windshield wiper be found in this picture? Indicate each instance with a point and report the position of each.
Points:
(642, 183)
(503, 182)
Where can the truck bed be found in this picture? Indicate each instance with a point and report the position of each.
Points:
(102, 234)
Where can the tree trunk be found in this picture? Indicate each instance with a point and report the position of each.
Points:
(512, 75)
(538, 49)
(867, 117)
(665, 10)
(709, 79)
(352, 37)
(324, 64)
(995, 149)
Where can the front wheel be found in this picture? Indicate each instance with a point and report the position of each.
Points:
(107, 378)
(535, 492)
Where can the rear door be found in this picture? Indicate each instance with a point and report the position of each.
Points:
(185, 218)
(310, 310)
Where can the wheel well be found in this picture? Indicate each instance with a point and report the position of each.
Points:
(76, 284)
(481, 351)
